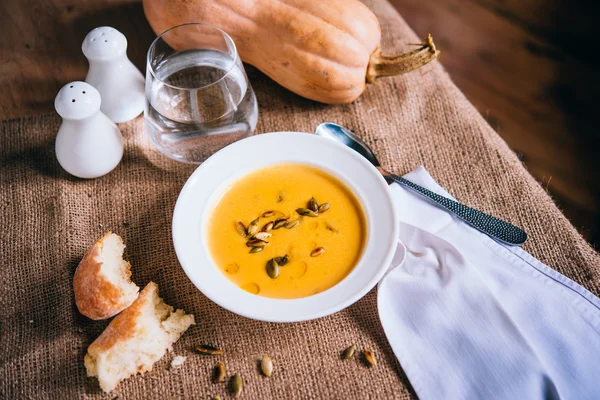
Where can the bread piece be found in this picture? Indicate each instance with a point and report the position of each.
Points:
(135, 339)
(101, 283)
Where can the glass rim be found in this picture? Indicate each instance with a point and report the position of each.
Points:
(228, 39)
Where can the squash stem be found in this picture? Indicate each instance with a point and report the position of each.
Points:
(382, 65)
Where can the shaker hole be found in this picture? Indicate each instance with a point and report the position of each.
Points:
(71, 86)
(103, 33)
(73, 101)
(93, 39)
(106, 41)
(83, 92)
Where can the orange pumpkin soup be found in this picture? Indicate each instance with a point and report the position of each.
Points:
(286, 231)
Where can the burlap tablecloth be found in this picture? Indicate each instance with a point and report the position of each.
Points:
(49, 219)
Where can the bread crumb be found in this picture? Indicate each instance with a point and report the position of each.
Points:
(177, 361)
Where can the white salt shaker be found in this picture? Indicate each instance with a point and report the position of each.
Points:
(119, 82)
(88, 144)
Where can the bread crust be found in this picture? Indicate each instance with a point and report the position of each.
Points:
(131, 333)
(125, 325)
(95, 296)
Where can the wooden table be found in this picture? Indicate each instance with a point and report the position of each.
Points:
(529, 68)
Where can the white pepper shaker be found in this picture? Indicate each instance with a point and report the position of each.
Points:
(119, 82)
(88, 144)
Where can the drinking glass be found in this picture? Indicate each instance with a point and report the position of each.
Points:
(198, 98)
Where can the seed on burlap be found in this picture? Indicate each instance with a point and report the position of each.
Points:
(219, 372)
(348, 353)
(266, 365)
(370, 357)
(237, 385)
(208, 350)
(217, 397)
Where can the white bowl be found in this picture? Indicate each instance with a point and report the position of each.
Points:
(207, 183)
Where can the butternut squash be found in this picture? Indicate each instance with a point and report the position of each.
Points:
(324, 50)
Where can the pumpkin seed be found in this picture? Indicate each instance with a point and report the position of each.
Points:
(237, 385)
(332, 228)
(324, 207)
(266, 365)
(272, 268)
(282, 260)
(268, 226)
(253, 227)
(268, 214)
(370, 357)
(306, 212)
(348, 353)
(292, 224)
(256, 243)
(241, 228)
(219, 373)
(317, 252)
(313, 205)
(209, 350)
(281, 197)
(279, 223)
(261, 236)
(256, 249)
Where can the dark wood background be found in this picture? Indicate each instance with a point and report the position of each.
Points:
(529, 66)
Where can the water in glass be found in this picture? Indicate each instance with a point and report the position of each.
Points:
(198, 101)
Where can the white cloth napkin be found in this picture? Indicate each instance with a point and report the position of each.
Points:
(469, 318)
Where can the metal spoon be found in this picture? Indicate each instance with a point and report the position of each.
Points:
(495, 228)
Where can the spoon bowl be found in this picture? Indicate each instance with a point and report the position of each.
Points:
(345, 136)
(495, 228)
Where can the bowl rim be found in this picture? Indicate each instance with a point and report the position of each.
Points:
(365, 182)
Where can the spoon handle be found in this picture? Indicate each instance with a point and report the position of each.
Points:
(495, 228)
